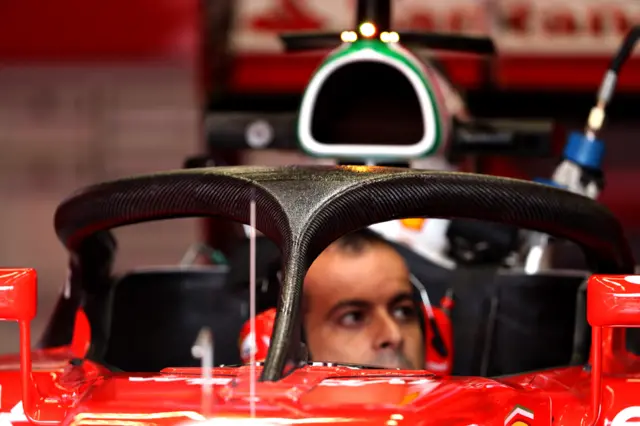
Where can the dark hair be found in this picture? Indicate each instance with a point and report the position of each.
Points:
(359, 240)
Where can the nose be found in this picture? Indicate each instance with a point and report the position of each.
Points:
(388, 333)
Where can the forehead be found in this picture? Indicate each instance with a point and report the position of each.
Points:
(376, 274)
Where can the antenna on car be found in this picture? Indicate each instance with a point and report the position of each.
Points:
(373, 20)
(252, 306)
(203, 349)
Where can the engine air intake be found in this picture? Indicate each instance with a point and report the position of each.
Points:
(373, 102)
(369, 103)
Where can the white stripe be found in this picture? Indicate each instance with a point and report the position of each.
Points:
(15, 415)
(517, 411)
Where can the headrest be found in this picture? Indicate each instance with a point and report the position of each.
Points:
(510, 322)
(267, 255)
(157, 314)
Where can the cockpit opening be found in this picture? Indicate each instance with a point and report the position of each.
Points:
(367, 102)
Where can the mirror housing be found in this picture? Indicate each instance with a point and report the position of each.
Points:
(18, 302)
(18, 294)
(613, 301)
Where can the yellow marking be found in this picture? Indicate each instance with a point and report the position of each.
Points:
(415, 223)
(409, 398)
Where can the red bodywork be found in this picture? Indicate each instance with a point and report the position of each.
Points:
(45, 388)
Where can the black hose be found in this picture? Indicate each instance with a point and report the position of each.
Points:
(624, 52)
(610, 79)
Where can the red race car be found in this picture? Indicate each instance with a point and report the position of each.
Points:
(137, 326)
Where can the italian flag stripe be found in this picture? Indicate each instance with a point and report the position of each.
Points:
(518, 412)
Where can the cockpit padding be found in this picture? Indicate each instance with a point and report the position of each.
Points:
(157, 315)
(513, 321)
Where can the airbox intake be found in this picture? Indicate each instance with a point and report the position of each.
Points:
(375, 103)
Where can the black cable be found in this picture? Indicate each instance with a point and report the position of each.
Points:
(625, 50)
(609, 81)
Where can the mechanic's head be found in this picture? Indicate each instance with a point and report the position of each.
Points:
(359, 306)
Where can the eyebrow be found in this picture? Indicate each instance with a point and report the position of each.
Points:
(353, 303)
(364, 304)
(401, 297)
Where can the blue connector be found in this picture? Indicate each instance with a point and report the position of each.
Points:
(584, 152)
(550, 182)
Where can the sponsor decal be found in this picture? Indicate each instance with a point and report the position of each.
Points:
(15, 416)
(522, 26)
(629, 416)
(519, 416)
(408, 399)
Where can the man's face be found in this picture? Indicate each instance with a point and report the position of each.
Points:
(359, 309)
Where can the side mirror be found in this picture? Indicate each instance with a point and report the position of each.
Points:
(613, 302)
(18, 294)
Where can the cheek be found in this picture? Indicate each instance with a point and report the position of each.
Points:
(414, 332)
(414, 344)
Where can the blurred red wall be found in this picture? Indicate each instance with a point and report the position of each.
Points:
(78, 30)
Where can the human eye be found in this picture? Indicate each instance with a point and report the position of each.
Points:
(351, 319)
(405, 312)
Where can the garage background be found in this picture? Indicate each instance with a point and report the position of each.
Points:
(93, 91)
